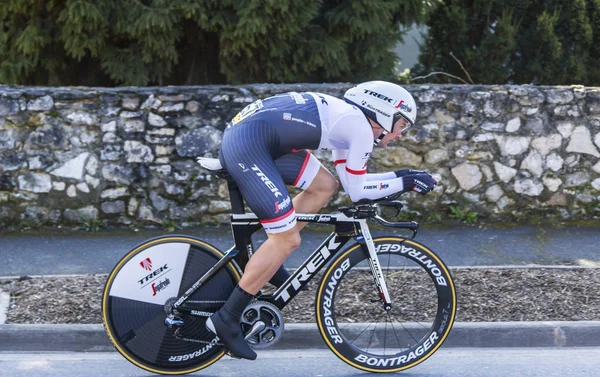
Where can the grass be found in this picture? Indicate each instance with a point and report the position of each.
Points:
(171, 225)
(90, 224)
(465, 216)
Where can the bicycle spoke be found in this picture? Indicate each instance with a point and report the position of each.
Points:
(369, 325)
(395, 334)
(384, 336)
(407, 331)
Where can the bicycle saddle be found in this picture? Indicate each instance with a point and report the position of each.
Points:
(210, 163)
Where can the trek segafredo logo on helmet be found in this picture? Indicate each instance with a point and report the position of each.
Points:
(397, 104)
(402, 106)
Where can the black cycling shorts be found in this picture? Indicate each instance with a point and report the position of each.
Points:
(262, 165)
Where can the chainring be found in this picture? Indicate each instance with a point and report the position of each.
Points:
(262, 324)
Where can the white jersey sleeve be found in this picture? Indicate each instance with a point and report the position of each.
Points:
(351, 167)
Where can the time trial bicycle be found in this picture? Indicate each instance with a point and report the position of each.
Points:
(383, 304)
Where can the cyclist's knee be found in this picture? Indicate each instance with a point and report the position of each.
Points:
(287, 241)
(324, 184)
(334, 186)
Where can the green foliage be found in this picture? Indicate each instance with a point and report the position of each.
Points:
(170, 225)
(463, 215)
(90, 224)
(184, 42)
(545, 42)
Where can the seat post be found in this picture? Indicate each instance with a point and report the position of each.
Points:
(235, 197)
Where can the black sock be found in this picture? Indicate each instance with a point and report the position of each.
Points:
(281, 275)
(235, 305)
(226, 324)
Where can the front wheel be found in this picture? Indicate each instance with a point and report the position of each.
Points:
(354, 323)
(140, 291)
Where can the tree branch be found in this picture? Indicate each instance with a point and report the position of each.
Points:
(438, 73)
(462, 67)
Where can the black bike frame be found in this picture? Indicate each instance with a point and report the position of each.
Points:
(243, 225)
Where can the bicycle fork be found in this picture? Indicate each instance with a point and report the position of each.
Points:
(375, 266)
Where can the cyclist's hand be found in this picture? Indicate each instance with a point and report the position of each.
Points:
(405, 172)
(421, 183)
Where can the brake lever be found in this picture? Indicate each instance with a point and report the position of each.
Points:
(393, 203)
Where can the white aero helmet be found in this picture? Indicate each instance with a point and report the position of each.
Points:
(383, 102)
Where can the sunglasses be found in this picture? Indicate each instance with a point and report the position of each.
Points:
(408, 124)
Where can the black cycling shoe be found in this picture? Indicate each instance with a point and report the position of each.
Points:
(230, 334)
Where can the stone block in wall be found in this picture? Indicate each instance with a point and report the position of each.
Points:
(593, 103)
(43, 103)
(513, 125)
(81, 214)
(218, 206)
(111, 152)
(146, 213)
(117, 173)
(560, 96)
(53, 135)
(197, 142)
(576, 179)
(528, 187)
(581, 142)
(80, 118)
(131, 125)
(130, 103)
(494, 193)
(468, 175)
(396, 157)
(505, 173)
(533, 163)
(8, 107)
(546, 144)
(158, 202)
(512, 145)
(73, 168)
(436, 156)
(554, 162)
(8, 137)
(35, 182)
(156, 120)
(552, 183)
(535, 125)
(136, 152)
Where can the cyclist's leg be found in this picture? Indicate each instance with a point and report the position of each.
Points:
(261, 185)
(266, 194)
(304, 171)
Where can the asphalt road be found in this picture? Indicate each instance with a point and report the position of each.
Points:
(471, 362)
(63, 252)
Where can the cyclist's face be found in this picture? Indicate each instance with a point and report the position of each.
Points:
(399, 127)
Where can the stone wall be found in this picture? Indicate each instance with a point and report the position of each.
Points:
(126, 155)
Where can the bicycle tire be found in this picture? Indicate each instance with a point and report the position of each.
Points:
(339, 286)
(143, 281)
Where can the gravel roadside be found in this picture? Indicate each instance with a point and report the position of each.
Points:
(520, 294)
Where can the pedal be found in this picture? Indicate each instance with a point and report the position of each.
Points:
(228, 353)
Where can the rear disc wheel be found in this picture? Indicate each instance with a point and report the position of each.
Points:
(137, 298)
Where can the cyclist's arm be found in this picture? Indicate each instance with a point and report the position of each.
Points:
(340, 157)
(351, 169)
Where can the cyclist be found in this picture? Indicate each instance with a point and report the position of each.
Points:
(266, 146)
